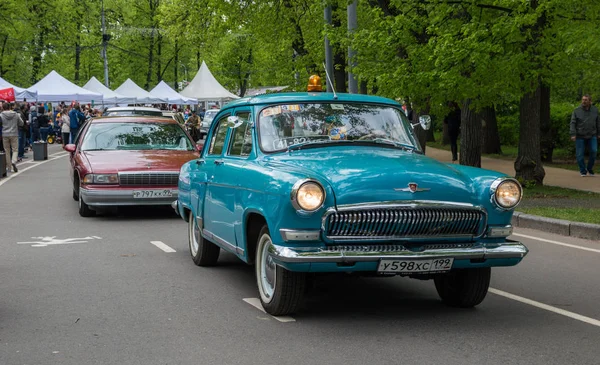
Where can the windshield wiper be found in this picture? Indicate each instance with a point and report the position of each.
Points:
(391, 142)
(310, 144)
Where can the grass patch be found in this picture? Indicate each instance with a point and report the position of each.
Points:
(584, 215)
(540, 192)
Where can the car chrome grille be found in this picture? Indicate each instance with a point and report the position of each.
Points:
(405, 222)
(149, 178)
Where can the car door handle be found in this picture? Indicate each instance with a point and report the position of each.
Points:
(199, 162)
(219, 162)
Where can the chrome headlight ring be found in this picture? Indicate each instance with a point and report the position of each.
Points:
(496, 186)
(296, 189)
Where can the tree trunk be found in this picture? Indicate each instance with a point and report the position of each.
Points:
(175, 78)
(470, 136)
(445, 135)
(548, 134)
(78, 53)
(158, 58)
(490, 142)
(419, 132)
(150, 61)
(37, 58)
(2, 55)
(430, 135)
(529, 164)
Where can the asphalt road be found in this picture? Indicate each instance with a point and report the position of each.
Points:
(113, 297)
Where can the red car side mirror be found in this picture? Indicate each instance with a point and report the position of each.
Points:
(70, 148)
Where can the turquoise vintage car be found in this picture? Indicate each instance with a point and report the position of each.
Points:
(300, 183)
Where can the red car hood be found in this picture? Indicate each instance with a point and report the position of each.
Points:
(153, 160)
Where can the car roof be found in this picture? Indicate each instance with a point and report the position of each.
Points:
(309, 97)
(127, 108)
(135, 119)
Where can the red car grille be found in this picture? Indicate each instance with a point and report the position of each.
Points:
(149, 178)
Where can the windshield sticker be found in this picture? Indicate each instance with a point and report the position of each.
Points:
(291, 108)
(274, 110)
(337, 106)
(283, 143)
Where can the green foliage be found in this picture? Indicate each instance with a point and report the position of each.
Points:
(560, 119)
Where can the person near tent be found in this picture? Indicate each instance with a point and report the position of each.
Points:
(33, 125)
(22, 110)
(65, 127)
(76, 119)
(44, 123)
(10, 121)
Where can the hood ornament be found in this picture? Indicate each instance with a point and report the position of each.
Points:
(413, 188)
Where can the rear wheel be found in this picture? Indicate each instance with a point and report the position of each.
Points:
(204, 252)
(281, 291)
(463, 288)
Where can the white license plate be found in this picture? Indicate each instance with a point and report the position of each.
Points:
(415, 266)
(144, 194)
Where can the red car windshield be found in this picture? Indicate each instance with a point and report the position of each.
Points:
(136, 136)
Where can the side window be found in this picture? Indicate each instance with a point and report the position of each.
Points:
(241, 139)
(218, 139)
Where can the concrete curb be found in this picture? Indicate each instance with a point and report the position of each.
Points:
(557, 226)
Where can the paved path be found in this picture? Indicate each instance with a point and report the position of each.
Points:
(554, 176)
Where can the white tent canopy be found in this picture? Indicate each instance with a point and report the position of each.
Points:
(164, 91)
(130, 89)
(108, 96)
(205, 87)
(55, 88)
(20, 93)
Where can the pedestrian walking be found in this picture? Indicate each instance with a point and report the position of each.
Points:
(10, 122)
(65, 128)
(76, 119)
(585, 132)
(453, 122)
(22, 110)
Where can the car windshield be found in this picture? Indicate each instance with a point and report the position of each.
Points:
(136, 136)
(210, 115)
(283, 126)
(129, 113)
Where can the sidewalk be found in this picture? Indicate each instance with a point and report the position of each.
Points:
(554, 176)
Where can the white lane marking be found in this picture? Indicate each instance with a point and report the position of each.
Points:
(547, 307)
(557, 243)
(52, 240)
(162, 246)
(59, 153)
(255, 302)
(15, 174)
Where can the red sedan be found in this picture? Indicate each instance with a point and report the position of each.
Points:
(120, 161)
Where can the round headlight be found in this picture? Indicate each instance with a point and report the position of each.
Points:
(307, 195)
(508, 193)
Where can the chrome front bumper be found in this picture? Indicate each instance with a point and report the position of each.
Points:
(362, 253)
(120, 197)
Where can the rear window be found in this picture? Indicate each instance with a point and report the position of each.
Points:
(136, 136)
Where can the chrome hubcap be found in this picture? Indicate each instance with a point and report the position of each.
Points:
(266, 270)
(194, 236)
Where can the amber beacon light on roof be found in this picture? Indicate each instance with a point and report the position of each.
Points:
(314, 83)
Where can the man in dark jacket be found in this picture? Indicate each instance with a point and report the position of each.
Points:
(453, 122)
(76, 119)
(585, 131)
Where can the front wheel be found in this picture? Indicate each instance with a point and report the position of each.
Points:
(463, 288)
(204, 252)
(84, 209)
(281, 290)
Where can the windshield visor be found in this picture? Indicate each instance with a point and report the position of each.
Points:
(136, 136)
(282, 126)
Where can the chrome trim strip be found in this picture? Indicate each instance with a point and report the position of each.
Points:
(221, 242)
(147, 172)
(404, 203)
(300, 235)
(299, 255)
(200, 221)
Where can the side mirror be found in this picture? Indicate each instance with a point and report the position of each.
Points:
(70, 148)
(199, 146)
(424, 121)
(234, 121)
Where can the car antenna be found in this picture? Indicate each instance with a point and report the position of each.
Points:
(330, 83)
